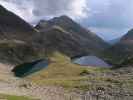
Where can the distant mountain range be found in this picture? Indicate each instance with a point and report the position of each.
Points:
(114, 41)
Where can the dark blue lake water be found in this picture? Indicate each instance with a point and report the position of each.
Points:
(29, 68)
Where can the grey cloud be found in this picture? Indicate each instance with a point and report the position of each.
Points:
(38, 9)
(109, 18)
(110, 14)
(113, 17)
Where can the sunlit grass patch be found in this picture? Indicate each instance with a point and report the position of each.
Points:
(61, 72)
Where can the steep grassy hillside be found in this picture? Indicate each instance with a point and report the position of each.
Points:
(18, 39)
(13, 27)
(17, 52)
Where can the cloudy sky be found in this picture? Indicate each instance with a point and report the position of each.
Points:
(108, 18)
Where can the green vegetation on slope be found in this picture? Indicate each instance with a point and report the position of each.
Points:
(60, 66)
(13, 97)
(17, 52)
(61, 72)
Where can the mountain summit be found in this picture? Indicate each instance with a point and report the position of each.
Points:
(70, 37)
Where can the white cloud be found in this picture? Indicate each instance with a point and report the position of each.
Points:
(21, 8)
(80, 8)
(33, 10)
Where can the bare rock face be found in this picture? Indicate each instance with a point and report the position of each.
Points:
(69, 37)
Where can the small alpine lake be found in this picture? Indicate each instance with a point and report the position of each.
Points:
(91, 61)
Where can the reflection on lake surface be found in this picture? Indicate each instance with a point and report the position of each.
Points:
(90, 61)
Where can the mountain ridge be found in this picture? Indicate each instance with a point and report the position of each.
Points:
(14, 27)
(84, 37)
(18, 38)
(121, 50)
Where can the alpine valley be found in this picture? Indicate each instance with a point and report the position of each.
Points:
(58, 59)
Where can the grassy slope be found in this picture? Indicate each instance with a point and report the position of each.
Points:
(13, 97)
(61, 72)
(19, 51)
